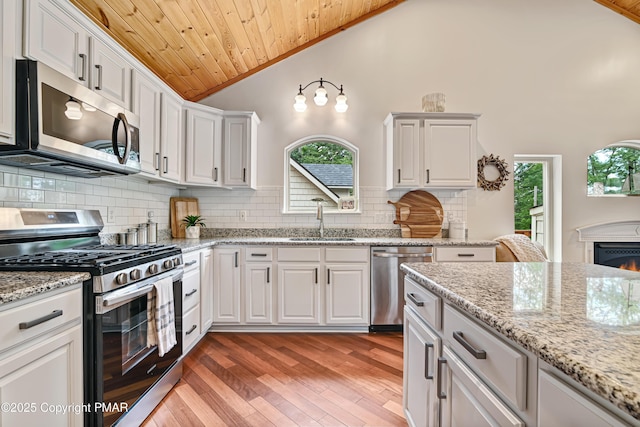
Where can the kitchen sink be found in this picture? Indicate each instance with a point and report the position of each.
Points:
(321, 239)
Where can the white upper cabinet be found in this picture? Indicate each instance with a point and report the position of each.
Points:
(431, 150)
(171, 138)
(203, 145)
(7, 67)
(146, 104)
(240, 141)
(55, 38)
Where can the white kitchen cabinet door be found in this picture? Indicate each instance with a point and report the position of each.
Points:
(110, 74)
(347, 294)
(239, 149)
(421, 351)
(206, 289)
(258, 295)
(299, 293)
(561, 406)
(467, 401)
(146, 104)
(171, 138)
(450, 153)
(203, 146)
(49, 372)
(407, 153)
(7, 68)
(226, 285)
(56, 39)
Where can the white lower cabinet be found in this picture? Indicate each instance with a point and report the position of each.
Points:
(422, 346)
(560, 405)
(299, 293)
(226, 285)
(258, 286)
(190, 301)
(347, 287)
(42, 368)
(464, 254)
(467, 401)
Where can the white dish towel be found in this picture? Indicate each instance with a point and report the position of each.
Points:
(161, 318)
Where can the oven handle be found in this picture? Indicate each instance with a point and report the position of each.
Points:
(129, 293)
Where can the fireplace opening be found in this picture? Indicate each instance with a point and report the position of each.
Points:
(624, 255)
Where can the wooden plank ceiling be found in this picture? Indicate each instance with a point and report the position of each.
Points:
(628, 8)
(201, 46)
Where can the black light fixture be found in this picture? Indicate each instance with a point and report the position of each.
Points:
(320, 97)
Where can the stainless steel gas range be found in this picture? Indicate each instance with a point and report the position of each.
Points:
(124, 377)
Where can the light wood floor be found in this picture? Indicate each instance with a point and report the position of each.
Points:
(288, 380)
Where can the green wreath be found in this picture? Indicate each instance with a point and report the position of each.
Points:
(497, 183)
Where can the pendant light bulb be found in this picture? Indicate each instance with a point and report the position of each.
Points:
(321, 97)
(341, 103)
(73, 111)
(300, 104)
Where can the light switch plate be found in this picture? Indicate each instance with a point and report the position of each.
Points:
(111, 214)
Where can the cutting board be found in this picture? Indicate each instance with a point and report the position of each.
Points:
(419, 214)
(181, 207)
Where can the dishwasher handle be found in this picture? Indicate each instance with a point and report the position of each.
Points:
(398, 255)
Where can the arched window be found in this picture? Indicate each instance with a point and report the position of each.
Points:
(321, 167)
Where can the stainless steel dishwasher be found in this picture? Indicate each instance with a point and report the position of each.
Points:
(387, 283)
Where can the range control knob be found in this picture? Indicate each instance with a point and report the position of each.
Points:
(135, 274)
(177, 261)
(167, 264)
(153, 269)
(121, 278)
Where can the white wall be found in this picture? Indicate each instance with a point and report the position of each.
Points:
(548, 77)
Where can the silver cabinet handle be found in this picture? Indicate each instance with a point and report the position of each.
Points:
(215, 174)
(244, 174)
(428, 176)
(39, 320)
(166, 164)
(157, 161)
(399, 176)
(258, 254)
(268, 274)
(191, 293)
(316, 269)
(99, 85)
(467, 255)
(191, 263)
(235, 255)
(193, 328)
(328, 276)
(83, 67)
(397, 255)
(439, 392)
(478, 354)
(427, 346)
(414, 300)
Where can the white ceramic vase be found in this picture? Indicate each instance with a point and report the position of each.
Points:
(192, 232)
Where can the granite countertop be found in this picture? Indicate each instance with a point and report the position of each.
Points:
(195, 244)
(583, 319)
(18, 285)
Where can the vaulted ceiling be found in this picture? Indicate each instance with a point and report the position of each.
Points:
(199, 47)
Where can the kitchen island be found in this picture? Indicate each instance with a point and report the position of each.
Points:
(581, 319)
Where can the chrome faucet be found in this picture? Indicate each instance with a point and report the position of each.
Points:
(320, 214)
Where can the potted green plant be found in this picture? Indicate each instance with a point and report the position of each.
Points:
(192, 224)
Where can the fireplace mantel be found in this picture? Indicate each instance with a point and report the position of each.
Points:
(614, 231)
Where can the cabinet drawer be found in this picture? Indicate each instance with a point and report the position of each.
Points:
(423, 302)
(190, 327)
(191, 261)
(347, 254)
(32, 318)
(503, 367)
(258, 254)
(190, 289)
(463, 254)
(299, 254)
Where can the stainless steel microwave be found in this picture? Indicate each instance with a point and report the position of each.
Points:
(64, 127)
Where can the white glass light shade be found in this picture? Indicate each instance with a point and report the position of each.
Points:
(321, 97)
(73, 111)
(300, 104)
(341, 103)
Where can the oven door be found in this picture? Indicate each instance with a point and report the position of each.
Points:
(126, 366)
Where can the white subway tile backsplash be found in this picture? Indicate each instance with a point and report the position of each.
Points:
(34, 196)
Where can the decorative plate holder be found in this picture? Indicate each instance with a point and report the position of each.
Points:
(500, 165)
